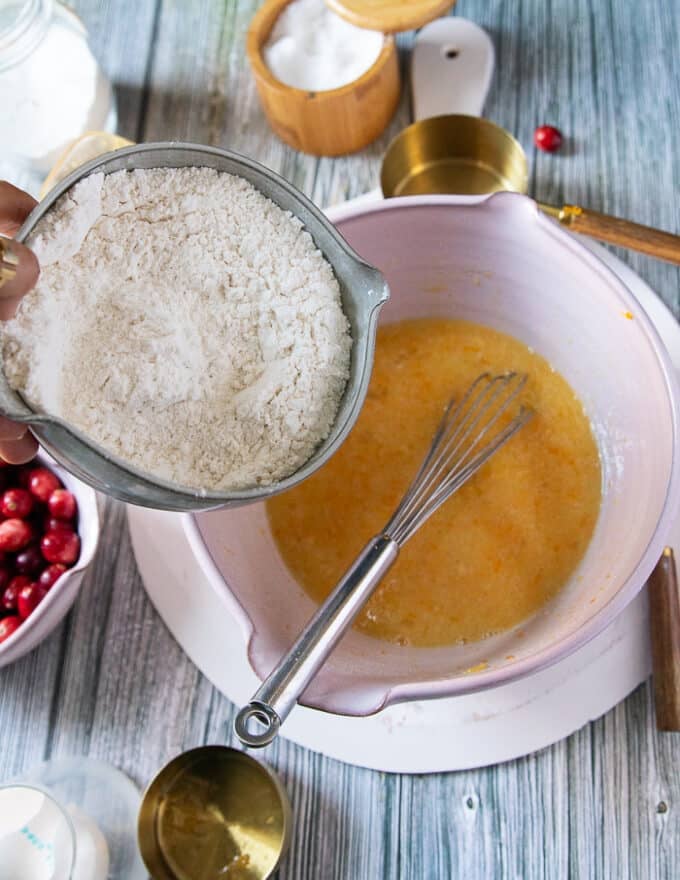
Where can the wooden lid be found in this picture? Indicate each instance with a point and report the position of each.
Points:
(390, 16)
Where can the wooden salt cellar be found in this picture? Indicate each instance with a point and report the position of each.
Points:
(327, 123)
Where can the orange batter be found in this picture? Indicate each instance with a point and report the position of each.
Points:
(498, 549)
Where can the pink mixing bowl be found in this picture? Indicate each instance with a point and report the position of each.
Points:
(499, 262)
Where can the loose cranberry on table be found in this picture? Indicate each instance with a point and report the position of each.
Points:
(62, 504)
(50, 575)
(8, 626)
(42, 482)
(16, 503)
(60, 545)
(548, 138)
(15, 534)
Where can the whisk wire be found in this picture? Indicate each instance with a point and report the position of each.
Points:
(456, 420)
(434, 453)
(460, 429)
(449, 453)
(457, 448)
(416, 519)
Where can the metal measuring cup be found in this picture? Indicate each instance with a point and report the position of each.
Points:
(214, 812)
(460, 152)
(363, 290)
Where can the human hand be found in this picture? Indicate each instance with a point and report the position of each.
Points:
(18, 273)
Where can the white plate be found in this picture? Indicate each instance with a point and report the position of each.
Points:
(422, 737)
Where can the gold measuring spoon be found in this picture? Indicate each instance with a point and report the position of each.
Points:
(462, 153)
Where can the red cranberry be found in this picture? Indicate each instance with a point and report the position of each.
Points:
(52, 524)
(62, 504)
(5, 576)
(28, 599)
(548, 138)
(8, 626)
(60, 546)
(16, 503)
(29, 561)
(14, 534)
(8, 601)
(42, 482)
(11, 594)
(22, 475)
(50, 575)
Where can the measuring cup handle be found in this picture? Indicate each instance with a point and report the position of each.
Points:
(277, 695)
(615, 230)
(664, 613)
(451, 68)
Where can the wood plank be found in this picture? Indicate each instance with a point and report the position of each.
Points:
(121, 36)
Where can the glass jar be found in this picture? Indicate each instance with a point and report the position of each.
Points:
(70, 819)
(37, 837)
(51, 88)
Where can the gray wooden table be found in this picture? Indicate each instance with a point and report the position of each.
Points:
(111, 682)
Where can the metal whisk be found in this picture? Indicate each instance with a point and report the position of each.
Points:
(470, 432)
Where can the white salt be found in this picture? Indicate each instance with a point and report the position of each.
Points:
(312, 48)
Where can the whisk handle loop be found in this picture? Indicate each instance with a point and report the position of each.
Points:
(277, 695)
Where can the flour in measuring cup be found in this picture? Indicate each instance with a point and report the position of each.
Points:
(184, 322)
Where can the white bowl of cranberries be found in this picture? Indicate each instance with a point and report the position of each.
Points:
(48, 535)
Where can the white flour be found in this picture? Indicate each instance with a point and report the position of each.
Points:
(184, 322)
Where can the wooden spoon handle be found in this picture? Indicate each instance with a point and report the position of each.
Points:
(664, 612)
(614, 230)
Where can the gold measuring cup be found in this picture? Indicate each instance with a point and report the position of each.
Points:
(461, 153)
(214, 812)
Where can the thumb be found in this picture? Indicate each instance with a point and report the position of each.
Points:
(20, 270)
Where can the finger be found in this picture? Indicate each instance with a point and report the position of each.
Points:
(10, 430)
(15, 206)
(27, 271)
(17, 444)
(19, 451)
